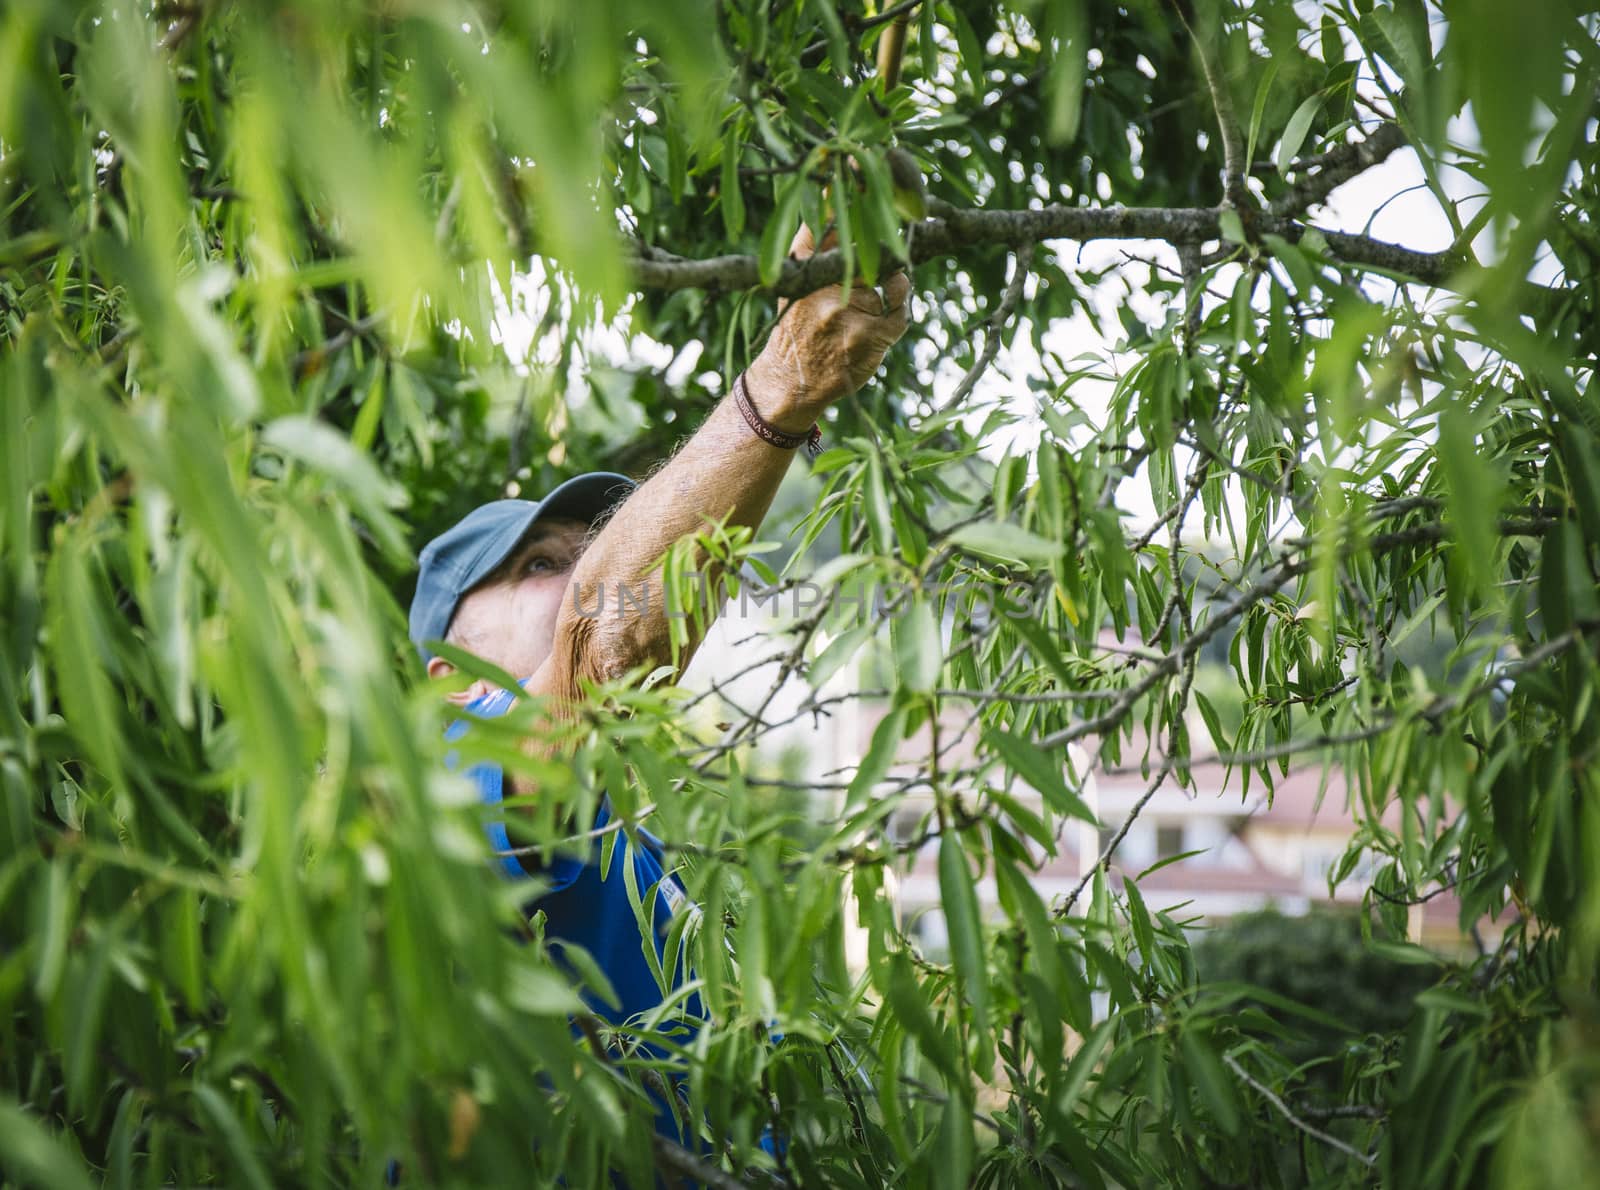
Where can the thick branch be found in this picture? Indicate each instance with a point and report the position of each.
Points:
(954, 229)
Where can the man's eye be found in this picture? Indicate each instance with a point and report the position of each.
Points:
(539, 565)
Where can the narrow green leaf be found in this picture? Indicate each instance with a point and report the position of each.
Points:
(905, 997)
(960, 900)
(971, 50)
(1474, 490)
(1069, 25)
(1294, 132)
(1041, 770)
(780, 229)
(247, 1163)
(1006, 541)
(33, 1155)
(1144, 934)
(1263, 91)
(1215, 1085)
(1083, 1064)
(918, 650)
(875, 764)
(731, 192)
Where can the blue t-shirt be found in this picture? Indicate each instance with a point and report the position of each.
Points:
(583, 909)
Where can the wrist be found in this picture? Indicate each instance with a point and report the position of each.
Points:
(780, 398)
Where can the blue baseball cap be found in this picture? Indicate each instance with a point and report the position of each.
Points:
(467, 553)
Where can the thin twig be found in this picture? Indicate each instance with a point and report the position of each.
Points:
(1288, 1114)
(1233, 188)
(994, 327)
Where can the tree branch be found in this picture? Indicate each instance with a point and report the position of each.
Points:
(681, 1161)
(953, 229)
(862, 24)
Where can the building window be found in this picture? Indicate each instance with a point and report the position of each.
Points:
(1169, 841)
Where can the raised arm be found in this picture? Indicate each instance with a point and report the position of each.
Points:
(821, 351)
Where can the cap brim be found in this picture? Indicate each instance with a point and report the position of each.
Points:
(586, 498)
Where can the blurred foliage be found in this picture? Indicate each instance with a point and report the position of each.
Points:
(251, 258)
(1318, 960)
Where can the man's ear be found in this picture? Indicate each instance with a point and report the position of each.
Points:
(438, 667)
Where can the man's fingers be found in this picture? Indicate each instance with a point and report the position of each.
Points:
(897, 291)
(898, 317)
(889, 301)
(866, 300)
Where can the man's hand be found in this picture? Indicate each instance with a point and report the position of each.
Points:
(823, 349)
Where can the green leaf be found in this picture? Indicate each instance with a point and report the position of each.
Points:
(960, 900)
(337, 460)
(1213, 723)
(875, 764)
(589, 971)
(953, 1169)
(1069, 26)
(1144, 934)
(1566, 588)
(542, 990)
(731, 191)
(474, 666)
(1294, 263)
(905, 998)
(1083, 1065)
(1263, 91)
(1023, 902)
(1448, 1000)
(246, 1163)
(1404, 952)
(1294, 132)
(879, 523)
(833, 31)
(1392, 37)
(1474, 491)
(918, 650)
(971, 51)
(1040, 769)
(1213, 1083)
(33, 1155)
(838, 652)
(780, 229)
(1231, 226)
(54, 922)
(1005, 541)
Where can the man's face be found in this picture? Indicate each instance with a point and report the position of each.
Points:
(510, 617)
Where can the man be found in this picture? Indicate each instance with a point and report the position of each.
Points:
(515, 583)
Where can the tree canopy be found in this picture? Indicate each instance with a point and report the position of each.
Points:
(287, 286)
